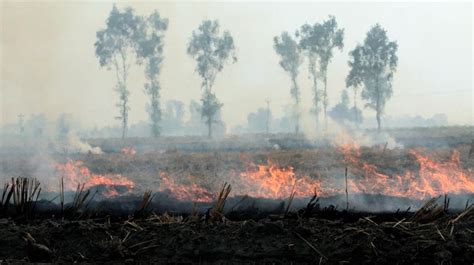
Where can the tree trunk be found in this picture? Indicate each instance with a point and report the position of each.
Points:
(316, 99)
(209, 127)
(208, 114)
(297, 104)
(124, 117)
(124, 95)
(267, 122)
(356, 114)
(377, 106)
(325, 103)
(378, 122)
(314, 74)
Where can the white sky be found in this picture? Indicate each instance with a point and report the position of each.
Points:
(48, 64)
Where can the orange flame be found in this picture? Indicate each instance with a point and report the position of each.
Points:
(432, 178)
(268, 181)
(182, 192)
(271, 181)
(129, 151)
(74, 173)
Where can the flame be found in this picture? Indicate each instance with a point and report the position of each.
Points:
(183, 192)
(268, 181)
(272, 181)
(74, 173)
(129, 151)
(430, 180)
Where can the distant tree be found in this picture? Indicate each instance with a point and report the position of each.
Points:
(341, 112)
(356, 116)
(257, 121)
(310, 42)
(290, 60)
(268, 117)
(331, 38)
(37, 124)
(21, 122)
(373, 65)
(211, 50)
(63, 126)
(151, 50)
(173, 117)
(354, 79)
(115, 47)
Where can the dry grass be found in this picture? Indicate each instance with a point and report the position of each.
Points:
(25, 195)
(142, 208)
(216, 213)
(6, 196)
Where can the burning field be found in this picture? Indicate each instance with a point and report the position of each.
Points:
(310, 204)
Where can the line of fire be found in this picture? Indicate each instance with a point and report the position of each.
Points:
(236, 132)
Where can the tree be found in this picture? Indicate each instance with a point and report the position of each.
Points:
(354, 79)
(212, 51)
(257, 121)
(331, 38)
(373, 65)
(63, 126)
(114, 46)
(173, 117)
(37, 124)
(310, 41)
(340, 112)
(290, 61)
(268, 117)
(151, 50)
(21, 122)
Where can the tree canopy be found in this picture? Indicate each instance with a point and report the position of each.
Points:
(372, 66)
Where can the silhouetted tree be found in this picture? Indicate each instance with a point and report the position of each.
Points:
(115, 47)
(331, 38)
(257, 121)
(64, 126)
(310, 41)
(373, 65)
(151, 50)
(21, 122)
(268, 117)
(173, 117)
(37, 124)
(211, 50)
(290, 60)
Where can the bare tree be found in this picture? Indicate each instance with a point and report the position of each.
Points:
(290, 61)
(211, 50)
(373, 65)
(115, 47)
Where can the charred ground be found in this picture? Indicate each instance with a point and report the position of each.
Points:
(244, 230)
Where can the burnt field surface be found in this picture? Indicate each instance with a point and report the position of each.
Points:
(260, 199)
(277, 240)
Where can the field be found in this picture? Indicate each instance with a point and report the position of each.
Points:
(290, 200)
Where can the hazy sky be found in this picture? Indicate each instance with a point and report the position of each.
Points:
(48, 63)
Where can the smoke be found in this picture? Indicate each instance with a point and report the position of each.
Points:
(75, 145)
(342, 134)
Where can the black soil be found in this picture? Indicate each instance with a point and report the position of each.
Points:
(275, 239)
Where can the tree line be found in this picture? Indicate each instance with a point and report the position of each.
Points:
(372, 65)
(130, 39)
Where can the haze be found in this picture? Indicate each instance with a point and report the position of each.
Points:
(48, 63)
